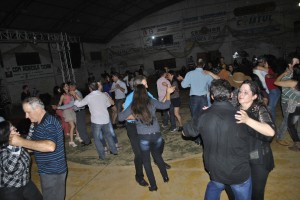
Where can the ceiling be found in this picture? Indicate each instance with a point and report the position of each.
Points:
(95, 21)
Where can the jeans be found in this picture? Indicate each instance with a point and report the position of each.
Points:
(172, 117)
(98, 130)
(283, 126)
(241, 191)
(28, 192)
(81, 126)
(165, 117)
(113, 134)
(274, 96)
(291, 125)
(134, 141)
(197, 103)
(53, 186)
(151, 143)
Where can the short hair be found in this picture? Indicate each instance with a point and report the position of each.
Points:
(220, 89)
(138, 80)
(34, 102)
(115, 74)
(93, 86)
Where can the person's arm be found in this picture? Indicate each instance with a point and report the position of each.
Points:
(168, 94)
(111, 101)
(262, 68)
(113, 87)
(69, 105)
(285, 83)
(261, 127)
(125, 114)
(214, 76)
(186, 82)
(122, 87)
(82, 102)
(36, 145)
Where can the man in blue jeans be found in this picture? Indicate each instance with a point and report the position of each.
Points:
(199, 81)
(226, 145)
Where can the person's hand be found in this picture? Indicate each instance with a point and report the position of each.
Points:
(15, 140)
(13, 131)
(130, 117)
(241, 117)
(179, 78)
(118, 86)
(73, 93)
(171, 89)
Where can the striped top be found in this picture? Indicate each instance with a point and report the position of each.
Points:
(50, 162)
(287, 92)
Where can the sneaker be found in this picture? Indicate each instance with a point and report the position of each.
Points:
(172, 130)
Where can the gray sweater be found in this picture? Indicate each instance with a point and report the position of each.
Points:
(143, 128)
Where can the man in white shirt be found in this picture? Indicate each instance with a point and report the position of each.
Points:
(98, 103)
(120, 90)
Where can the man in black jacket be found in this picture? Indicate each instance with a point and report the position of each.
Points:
(225, 143)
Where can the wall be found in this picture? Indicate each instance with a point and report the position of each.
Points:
(204, 26)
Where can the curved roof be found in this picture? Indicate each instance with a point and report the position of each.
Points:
(92, 20)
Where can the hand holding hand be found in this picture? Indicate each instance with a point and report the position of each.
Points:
(241, 117)
(15, 140)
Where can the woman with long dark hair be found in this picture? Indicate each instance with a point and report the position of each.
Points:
(255, 115)
(143, 109)
(293, 107)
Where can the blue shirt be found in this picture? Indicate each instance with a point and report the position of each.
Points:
(198, 81)
(50, 162)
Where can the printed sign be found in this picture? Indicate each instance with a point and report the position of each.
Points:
(25, 72)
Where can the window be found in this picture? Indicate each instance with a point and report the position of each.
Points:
(162, 40)
(29, 58)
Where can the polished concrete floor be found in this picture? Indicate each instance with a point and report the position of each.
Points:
(114, 179)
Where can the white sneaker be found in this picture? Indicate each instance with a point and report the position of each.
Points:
(72, 144)
(78, 139)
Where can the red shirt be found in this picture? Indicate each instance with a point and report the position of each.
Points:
(270, 81)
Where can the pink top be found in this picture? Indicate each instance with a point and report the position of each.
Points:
(67, 99)
(162, 90)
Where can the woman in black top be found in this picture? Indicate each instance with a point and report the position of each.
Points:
(262, 129)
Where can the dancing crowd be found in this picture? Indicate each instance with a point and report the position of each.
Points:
(233, 111)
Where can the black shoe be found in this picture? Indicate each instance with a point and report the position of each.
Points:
(142, 182)
(152, 188)
(180, 129)
(85, 144)
(113, 153)
(166, 179)
(167, 166)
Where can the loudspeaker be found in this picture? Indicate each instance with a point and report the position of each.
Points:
(75, 54)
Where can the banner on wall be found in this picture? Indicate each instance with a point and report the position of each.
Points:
(26, 72)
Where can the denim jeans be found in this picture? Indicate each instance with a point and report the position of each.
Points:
(165, 117)
(113, 134)
(98, 131)
(241, 191)
(197, 103)
(172, 117)
(151, 143)
(274, 96)
(135, 145)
